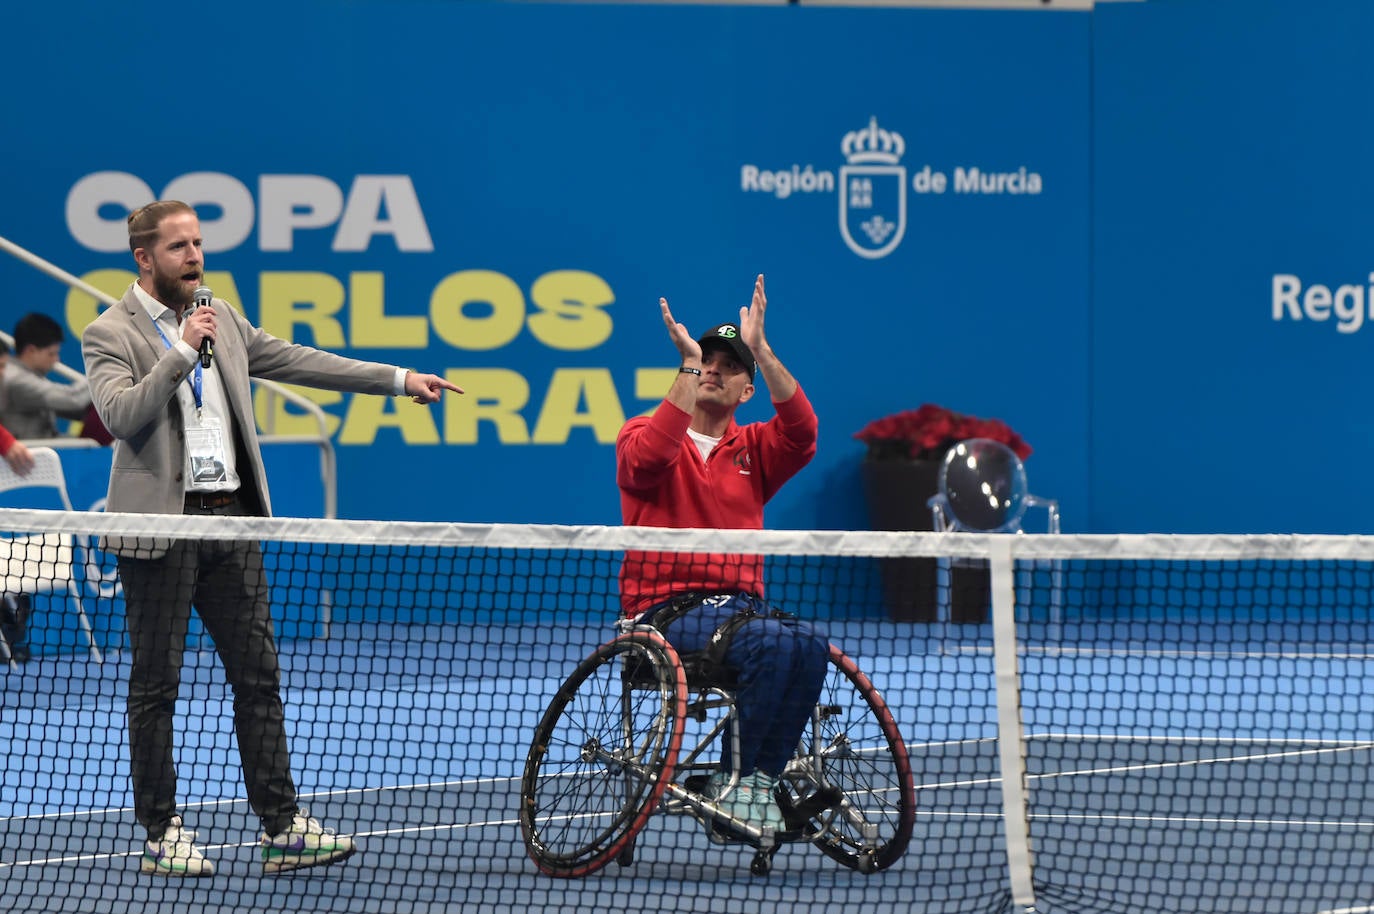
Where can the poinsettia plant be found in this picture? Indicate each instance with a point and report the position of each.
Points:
(929, 431)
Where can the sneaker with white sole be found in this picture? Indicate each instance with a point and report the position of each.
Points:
(175, 853)
(751, 802)
(303, 844)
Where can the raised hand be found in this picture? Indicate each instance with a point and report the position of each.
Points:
(751, 320)
(687, 346)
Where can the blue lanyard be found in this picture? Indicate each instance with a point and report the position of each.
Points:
(197, 378)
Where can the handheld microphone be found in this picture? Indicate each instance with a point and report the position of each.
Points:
(202, 297)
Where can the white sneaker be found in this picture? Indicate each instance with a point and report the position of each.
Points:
(751, 801)
(175, 854)
(304, 843)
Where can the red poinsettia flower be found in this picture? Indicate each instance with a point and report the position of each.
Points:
(930, 430)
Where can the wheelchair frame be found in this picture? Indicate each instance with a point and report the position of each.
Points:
(609, 753)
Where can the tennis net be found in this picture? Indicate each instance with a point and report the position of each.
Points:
(1115, 723)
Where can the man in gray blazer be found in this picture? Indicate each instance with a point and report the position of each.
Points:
(186, 443)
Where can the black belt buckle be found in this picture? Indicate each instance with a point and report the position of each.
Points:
(208, 501)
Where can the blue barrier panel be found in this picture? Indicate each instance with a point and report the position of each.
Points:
(1231, 269)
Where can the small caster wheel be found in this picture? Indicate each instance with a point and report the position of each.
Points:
(627, 855)
(762, 864)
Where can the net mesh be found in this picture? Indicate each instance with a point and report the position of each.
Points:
(1186, 716)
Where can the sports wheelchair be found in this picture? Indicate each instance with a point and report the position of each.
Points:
(609, 753)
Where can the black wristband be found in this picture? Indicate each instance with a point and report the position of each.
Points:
(685, 369)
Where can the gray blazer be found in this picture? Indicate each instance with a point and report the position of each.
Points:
(134, 376)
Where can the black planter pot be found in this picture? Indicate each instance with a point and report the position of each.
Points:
(970, 592)
(897, 492)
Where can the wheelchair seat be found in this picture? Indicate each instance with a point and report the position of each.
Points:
(702, 673)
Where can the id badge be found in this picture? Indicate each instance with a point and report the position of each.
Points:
(205, 447)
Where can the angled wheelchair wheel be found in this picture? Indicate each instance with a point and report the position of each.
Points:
(851, 777)
(603, 755)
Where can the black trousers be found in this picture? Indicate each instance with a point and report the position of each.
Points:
(227, 585)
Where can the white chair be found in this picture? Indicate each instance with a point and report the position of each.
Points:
(982, 489)
(41, 562)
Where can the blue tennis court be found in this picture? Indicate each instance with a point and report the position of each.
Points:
(413, 738)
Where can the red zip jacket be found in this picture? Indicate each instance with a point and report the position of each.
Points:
(664, 483)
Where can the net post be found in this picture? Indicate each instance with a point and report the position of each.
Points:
(1011, 749)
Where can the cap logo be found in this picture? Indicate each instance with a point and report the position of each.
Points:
(726, 331)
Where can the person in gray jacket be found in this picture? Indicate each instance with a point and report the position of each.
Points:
(186, 443)
(32, 402)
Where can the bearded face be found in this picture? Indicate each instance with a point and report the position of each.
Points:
(173, 266)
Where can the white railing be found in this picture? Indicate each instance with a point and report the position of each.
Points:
(272, 390)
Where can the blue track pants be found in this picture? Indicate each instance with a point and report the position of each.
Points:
(780, 665)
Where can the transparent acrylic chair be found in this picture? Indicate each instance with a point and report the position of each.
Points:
(982, 488)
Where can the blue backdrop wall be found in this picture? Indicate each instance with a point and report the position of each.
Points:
(1104, 228)
(1231, 267)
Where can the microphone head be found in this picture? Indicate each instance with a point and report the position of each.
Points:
(202, 296)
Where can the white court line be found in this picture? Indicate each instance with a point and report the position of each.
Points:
(212, 804)
(1308, 748)
(1146, 819)
(922, 810)
(359, 791)
(1217, 760)
(1301, 748)
(1139, 650)
(85, 858)
(1238, 739)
